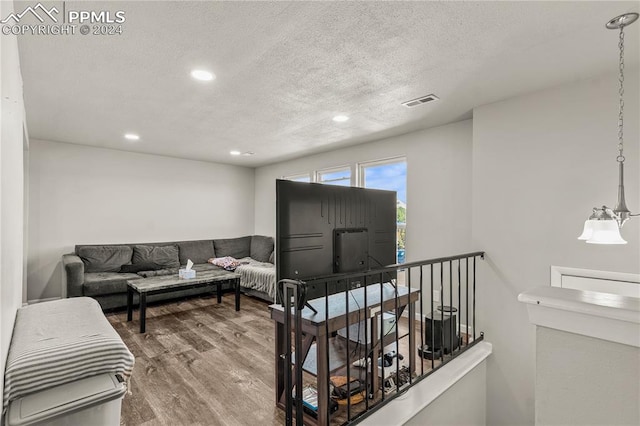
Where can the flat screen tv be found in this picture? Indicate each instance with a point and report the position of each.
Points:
(325, 229)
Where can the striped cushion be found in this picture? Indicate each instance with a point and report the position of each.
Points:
(59, 342)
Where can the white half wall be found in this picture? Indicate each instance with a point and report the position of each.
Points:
(455, 395)
(582, 380)
(540, 163)
(470, 391)
(438, 185)
(11, 187)
(86, 195)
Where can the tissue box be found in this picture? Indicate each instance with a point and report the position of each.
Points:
(186, 273)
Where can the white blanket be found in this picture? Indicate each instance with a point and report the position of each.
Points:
(259, 276)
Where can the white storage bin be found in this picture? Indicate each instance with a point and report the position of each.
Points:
(95, 400)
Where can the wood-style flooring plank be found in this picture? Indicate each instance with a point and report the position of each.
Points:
(170, 389)
(137, 410)
(200, 363)
(203, 363)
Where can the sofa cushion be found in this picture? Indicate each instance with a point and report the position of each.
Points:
(261, 248)
(233, 247)
(104, 258)
(197, 251)
(100, 283)
(165, 256)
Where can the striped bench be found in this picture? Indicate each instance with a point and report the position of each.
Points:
(60, 342)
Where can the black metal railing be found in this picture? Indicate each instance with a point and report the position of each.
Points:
(367, 352)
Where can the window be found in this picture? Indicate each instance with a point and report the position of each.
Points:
(390, 175)
(306, 177)
(341, 177)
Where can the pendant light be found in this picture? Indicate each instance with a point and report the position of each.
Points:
(603, 226)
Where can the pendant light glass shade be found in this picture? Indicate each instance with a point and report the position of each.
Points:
(604, 232)
(587, 231)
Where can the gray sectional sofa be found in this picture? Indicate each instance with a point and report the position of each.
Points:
(102, 271)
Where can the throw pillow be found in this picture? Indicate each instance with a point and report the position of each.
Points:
(104, 258)
(227, 262)
(272, 257)
(261, 248)
(165, 256)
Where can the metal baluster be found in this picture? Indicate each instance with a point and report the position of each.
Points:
(368, 343)
(466, 299)
(432, 333)
(287, 355)
(459, 307)
(347, 293)
(298, 347)
(326, 354)
(441, 313)
(397, 314)
(421, 321)
(451, 325)
(375, 362)
(474, 298)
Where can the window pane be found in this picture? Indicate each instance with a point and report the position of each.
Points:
(336, 177)
(392, 177)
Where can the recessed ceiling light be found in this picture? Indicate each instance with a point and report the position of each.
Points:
(235, 152)
(340, 118)
(203, 75)
(131, 136)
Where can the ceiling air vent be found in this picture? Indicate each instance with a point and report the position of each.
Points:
(419, 101)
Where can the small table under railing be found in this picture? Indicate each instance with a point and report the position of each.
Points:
(318, 327)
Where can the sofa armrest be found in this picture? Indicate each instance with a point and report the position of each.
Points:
(74, 272)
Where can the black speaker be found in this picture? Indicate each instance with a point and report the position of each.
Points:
(444, 333)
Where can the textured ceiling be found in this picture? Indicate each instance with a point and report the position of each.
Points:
(284, 69)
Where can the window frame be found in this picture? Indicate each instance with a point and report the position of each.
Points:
(299, 175)
(361, 166)
(334, 169)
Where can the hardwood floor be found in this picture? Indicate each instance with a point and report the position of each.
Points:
(203, 363)
(200, 363)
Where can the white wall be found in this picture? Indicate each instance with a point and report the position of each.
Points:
(11, 188)
(438, 185)
(582, 380)
(83, 195)
(540, 163)
(464, 403)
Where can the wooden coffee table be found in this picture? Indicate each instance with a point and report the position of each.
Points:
(171, 283)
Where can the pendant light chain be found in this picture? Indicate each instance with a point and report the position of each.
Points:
(620, 157)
